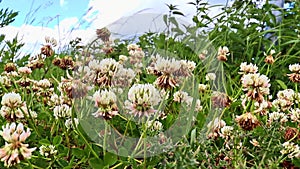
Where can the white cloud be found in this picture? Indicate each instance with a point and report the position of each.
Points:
(63, 3)
(101, 13)
(109, 11)
(33, 36)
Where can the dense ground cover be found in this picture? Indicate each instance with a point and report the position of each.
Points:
(218, 94)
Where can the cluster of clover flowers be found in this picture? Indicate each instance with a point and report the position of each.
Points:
(110, 77)
(17, 113)
(256, 101)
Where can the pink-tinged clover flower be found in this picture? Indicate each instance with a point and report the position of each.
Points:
(256, 85)
(295, 76)
(12, 106)
(141, 99)
(14, 149)
(106, 102)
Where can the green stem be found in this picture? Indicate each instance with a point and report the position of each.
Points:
(105, 137)
(87, 143)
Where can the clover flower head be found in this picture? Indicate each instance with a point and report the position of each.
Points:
(44, 83)
(11, 100)
(210, 77)
(295, 115)
(180, 96)
(142, 98)
(105, 101)
(47, 150)
(154, 125)
(277, 116)
(226, 132)
(248, 68)
(295, 68)
(247, 121)
(24, 70)
(203, 87)
(123, 77)
(256, 85)
(291, 149)
(14, 149)
(69, 124)
(214, 127)
(223, 52)
(62, 111)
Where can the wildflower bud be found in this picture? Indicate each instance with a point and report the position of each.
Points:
(47, 50)
(103, 34)
(294, 77)
(247, 121)
(220, 100)
(291, 133)
(10, 67)
(210, 77)
(222, 54)
(56, 61)
(202, 55)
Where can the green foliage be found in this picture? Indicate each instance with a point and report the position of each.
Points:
(7, 17)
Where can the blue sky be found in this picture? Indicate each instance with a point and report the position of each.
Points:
(48, 13)
(45, 13)
(67, 19)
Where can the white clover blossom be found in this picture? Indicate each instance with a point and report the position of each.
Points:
(123, 58)
(288, 94)
(277, 117)
(62, 111)
(108, 65)
(104, 97)
(166, 65)
(291, 149)
(295, 68)
(5, 81)
(69, 123)
(214, 127)
(142, 98)
(11, 74)
(285, 99)
(210, 77)
(94, 65)
(102, 72)
(256, 85)
(248, 68)
(223, 52)
(136, 54)
(132, 47)
(47, 150)
(44, 83)
(226, 132)
(216, 123)
(13, 107)
(11, 100)
(295, 115)
(105, 101)
(170, 71)
(14, 149)
(262, 107)
(154, 125)
(180, 96)
(123, 77)
(24, 70)
(203, 87)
